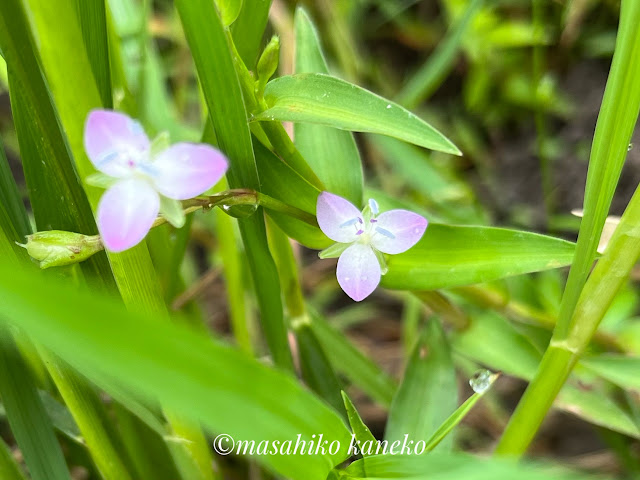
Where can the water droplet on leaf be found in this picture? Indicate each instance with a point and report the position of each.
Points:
(240, 211)
(481, 381)
(629, 147)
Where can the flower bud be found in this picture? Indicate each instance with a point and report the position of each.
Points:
(55, 248)
(268, 64)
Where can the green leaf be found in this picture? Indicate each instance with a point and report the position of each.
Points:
(616, 121)
(9, 469)
(229, 10)
(457, 416)
(330, 101)
(622, 370)
(316, 369)
(453, 467)
(352, 363)
(492, 341)
(448, 256)
(249, 28)
(428, 393)
(93, 21)
(331, 153)
(11, 200)
(360, 430)
(431, 75)
(281, 182)
(209, 45)
(28, 419)
(208, 382)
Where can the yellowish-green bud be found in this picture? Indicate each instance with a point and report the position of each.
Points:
(55, 248)
(268, 64)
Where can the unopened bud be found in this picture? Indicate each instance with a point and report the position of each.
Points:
(268, 64)
(55, 248)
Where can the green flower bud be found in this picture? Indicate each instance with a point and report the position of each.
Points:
(268, 64)
(55, 248)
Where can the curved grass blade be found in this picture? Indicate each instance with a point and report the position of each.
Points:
(622, 370)
(325, 100)
(209, 382)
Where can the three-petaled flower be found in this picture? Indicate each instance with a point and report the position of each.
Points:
(363, 238)
(142, 178)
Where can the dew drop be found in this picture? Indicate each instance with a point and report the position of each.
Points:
(481, 381)
(240, 211)
(389, 106)
(629, 147)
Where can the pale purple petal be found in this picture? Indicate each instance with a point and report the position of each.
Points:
(396, 231)
(338, 218)
(114, 142)
(126, 212)
(358, 271)
(186, 170)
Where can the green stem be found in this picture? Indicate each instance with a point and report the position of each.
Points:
(88, 412)
(608, 277)
(584, 301)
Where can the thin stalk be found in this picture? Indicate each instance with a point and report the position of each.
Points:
(582, 308)
(608, 277)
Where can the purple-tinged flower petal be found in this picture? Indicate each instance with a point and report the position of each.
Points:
(358, 271)
(186, 170)
(126, 212)
(396, 231)
(114, 142)
(338, 218)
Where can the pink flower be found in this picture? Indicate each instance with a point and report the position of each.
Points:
(142, 179)
(363, 238)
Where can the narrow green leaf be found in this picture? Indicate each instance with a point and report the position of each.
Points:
(454, 467)
(9, 469)
(457, 416)
(93, 21)
(229, 10)
(10, 198)
(494, 342)
(352, 363)
(281, 182)
(28, 419)
(331, 153)
(330, 101)
(208, 382)
(360, 430)
(316, 369)
(209, 46)
(622, 370)
(450, 256)
(616, 121)
(428, 393)
(249, 28)
(431, 75)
